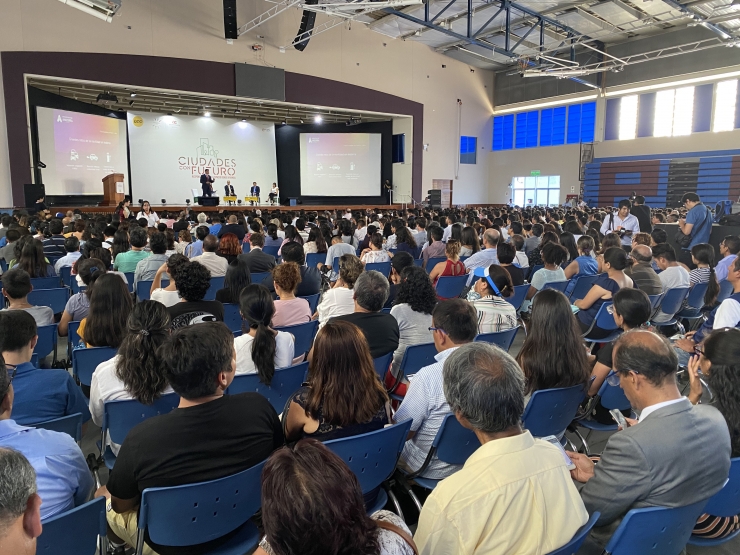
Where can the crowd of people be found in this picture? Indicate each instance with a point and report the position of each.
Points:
(515, 494)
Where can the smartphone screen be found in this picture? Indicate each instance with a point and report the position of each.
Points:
(619, 418)
(556, 442)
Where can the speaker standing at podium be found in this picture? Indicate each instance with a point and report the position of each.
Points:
(206, 183)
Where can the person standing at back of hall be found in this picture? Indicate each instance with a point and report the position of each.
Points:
(206, 183)
(697, 224)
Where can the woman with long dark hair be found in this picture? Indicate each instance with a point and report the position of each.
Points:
(702, 255)
(291, 236)
(120, 243)
(271, 237)
(568, 240)
(405, 242)
(237, 278)
(412, 309)
(33, 261)
(78, 305)
(344, 396)
(136, 371)
(261, 349)
(123, 210)
(553, 354)
(110, 306)
(315, 243)
(470, 242)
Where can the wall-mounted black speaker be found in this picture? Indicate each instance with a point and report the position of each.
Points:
(33, 192)
(230, 28)
(307, 22)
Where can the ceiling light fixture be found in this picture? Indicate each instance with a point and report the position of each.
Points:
(318, 119)
(207, 114)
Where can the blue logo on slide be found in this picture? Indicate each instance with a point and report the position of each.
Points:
(206, 148)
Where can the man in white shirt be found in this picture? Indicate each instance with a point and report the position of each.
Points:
(216, 264)
(672, 276)
(486, 257)
(72, 246)
(361, 230)
(337, 249)
(451, 219)
(623, 223)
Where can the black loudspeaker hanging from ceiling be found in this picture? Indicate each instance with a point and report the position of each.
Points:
(230, 28)
(307, 22)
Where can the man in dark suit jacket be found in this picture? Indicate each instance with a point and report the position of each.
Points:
(206, 183)
(310, 277)
(229, 189)
(677, 454)
(259, 262)
(233, 227)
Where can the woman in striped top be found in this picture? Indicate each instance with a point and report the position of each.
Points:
(494, 286)
(703, 257)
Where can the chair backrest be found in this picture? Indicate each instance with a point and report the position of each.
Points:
(271, 251)
(613, 397)
(582, 286)
(216, 284)
(129, 281)
(285, 382)
(202, 512)
(450, 287)
(533, 270)
(418, 262)
(605, 318)
(3, 265)
(549, 411)
(381, 365)
(45, 282)
(502, 339)
(71, 425)
(417, 357)
(382, 267)
(673, 299)
(695, 298)
(432, 262)
(72, 336)
(572, 547)
(655, 530)
(520, 293)
(65, 273)
(74, 532)
(372, 456)
(56, 298)
(47, 340)
(76, 288)
(313, 259)
(557, 285)
(246, 247)
(303, 335)
(85, 361)
(259, 277)
(725, 290)
(120, 416)
(144, 288)
(313, 301)
(453, 443)
(726, 502)
(232, 316)
(655, 300)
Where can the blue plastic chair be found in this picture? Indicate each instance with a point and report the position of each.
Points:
(373, 457)
(581, 286)
(303, 335)
(671, 303)
(129, 281)
(216, 284)
(432, 262)
(259, 277)
(381, 365)
(725, 290)
(46, 282)
(450, 287)
(418, 262)
(654, 530)
(610, 397)
(73, 337)
(85, 361)
(335, 265)
(71, 425)
(197, 513)
(315, 258)
(533, 270)
(520, 294)
(416, 357)
(724, 503)
(271, 251)
(232, 316)
(604, 320)
(655, 300)
(313, 301)
(3, 265)
(79, 531)
(119, 417)
(453, 444)
(47, 342)
(550, 411)
(572, 547)
(557, 285)
(285, 382)
(76, 287)
(56, 298)
(382, 267)
(144, 289)
(65, 274)
(503, 339)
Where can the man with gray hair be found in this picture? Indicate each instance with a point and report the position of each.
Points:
(20, 517)
(380, 329)
(642, 273)
(486, 257)
(514, 494)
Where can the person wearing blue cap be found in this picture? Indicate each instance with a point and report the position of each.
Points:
(491, 289)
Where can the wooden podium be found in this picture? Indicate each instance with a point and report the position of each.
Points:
(111, 194)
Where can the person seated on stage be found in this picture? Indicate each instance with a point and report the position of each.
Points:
(315, 242)
(229, 190)
(232, 432)
(110, 305)
(274, 192)
(343, 396)
(233, 227)
(193, 281)
(16, 287)
(376, 252)
(254, 191)
(216, 265)
(289, 309)
(147, 268)
(39, 395)
(127, 261)
(168, 295)
(196, 247)
(259, 262)
(261, 349)
(72, 246)
(337, 249)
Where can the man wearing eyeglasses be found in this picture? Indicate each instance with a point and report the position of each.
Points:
(678, 454)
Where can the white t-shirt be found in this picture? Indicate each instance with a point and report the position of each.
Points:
(167, 298)
(284, 352)
(672, 277)
(728, 315)
(335, 302)
(152, 219)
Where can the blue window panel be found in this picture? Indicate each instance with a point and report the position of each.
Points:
(533, 121)
(611, 124)
(646, 114)
(574, 124)
(521, 130)
(737, 111)
(468, 147)
(546, 127)
(702, 108)
(498, 133)
(508, 132)
(588, 122)
(558, 126)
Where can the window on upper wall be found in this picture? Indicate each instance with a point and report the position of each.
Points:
(468, 148)
(628, 117)
(674, 112)
(503, 132)
(724, 106)
(581, 123)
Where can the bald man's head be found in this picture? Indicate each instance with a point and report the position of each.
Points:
(648, 354)
(232, 219)
(490, 238)
(642, 253)
(210, 243)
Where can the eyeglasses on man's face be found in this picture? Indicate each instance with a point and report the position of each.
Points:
(614, 378)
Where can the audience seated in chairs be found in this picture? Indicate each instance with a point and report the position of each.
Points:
(110, 305)
(127, 261)
(376, 252)
(672, 276)
(399, 261)
(644, 455)
(506, 254)
(340, 299)
(39, 395)
(488, 296)
(343, 396)
(289, 309)
(310, 282)
(553, 354)
(380, 329)
(147, 268)
(291, 236)
(72, 248)
(229, 247)
(78, 305)
(436, 247)
(450, 267)
(261, 349)
(20, 520)
(454, 324)
(641, 271)
(30, 257)
(583, 265)
(136, 371)
(553, 256)
(64, 481)
(702, 256)
(487, 256)
(216, 265)
(315, 243)
(719, 361)
(412, 310)
(193, 281)
(331, 517)
(237, 278)
(405, 242)
(168, 295)
(231, 432)
(16, 287)
(514, 494)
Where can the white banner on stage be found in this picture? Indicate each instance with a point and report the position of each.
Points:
(169, 153)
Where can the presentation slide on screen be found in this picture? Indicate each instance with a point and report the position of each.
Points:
(169, 154)
(79, 150)
(340, 164)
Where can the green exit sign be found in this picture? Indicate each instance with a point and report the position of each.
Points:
(535, 173)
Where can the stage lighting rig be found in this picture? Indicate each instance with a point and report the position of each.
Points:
(354, 120)
(102, 9)
(107, 99)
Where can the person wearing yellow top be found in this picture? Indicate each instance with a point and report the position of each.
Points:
(515, 494)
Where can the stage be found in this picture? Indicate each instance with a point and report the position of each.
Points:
(195, 208)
